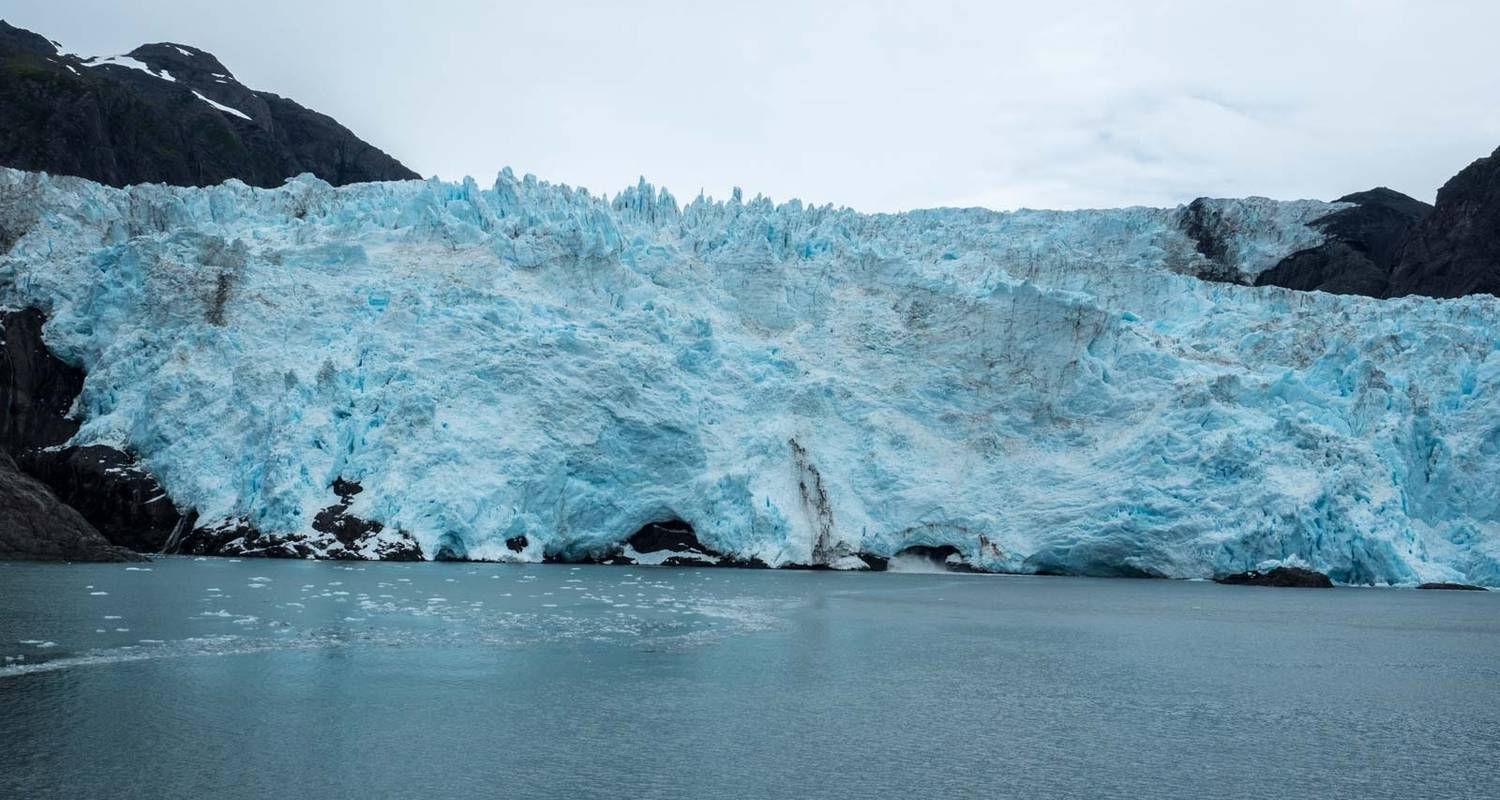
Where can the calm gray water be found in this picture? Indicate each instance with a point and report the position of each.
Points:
(229, 679)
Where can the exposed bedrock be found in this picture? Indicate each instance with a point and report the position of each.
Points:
(37, 389)
(231, 537)
(166, 113)
(1390, 245)
(1294, 577)
(1212, 235)
(240, 538)
(36, 392)
(1455, 251)
(35, 526)
(1453, 587)
(359, 538)
(111, 490)
(337, 534)
(1364, 245)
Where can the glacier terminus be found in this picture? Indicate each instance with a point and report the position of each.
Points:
(529, 371)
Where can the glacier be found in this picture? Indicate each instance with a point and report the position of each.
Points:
(1042, 391)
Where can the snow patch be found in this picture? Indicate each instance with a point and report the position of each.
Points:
(220, 106)
(118, 61)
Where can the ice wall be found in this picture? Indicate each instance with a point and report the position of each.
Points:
(1043, 390)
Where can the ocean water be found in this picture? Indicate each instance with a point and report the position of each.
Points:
(244, 679)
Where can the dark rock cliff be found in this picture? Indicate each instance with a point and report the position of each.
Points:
(116, 495)
(1455, 251)
(164, 113)
(35, 526)
(36, 391)
(36, 388)
(96, 487)
(1390, 245)
(1363, 247)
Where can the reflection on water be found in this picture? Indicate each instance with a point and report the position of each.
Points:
(218, 607)
(226, 678)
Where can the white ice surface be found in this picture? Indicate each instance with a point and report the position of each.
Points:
(221, 106)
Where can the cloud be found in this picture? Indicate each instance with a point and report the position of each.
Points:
(880, 106)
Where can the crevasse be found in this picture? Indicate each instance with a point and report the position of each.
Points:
(1045, 391)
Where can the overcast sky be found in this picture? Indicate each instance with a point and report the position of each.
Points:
(878, 106)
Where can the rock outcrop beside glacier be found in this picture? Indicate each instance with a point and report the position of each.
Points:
(37, 392)
(1456, 250)
(1389, 245)
(34, 526)
(527, 372)
(1364, 244)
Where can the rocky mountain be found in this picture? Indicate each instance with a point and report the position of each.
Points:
(164, 113)
(35, 526)
(1389, 245)
(1364, 243)
(1455, 251)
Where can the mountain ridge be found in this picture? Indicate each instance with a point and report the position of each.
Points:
(164, 113)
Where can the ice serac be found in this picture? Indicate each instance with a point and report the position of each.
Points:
(527, 371)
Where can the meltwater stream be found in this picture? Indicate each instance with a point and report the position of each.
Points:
(240, 679)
